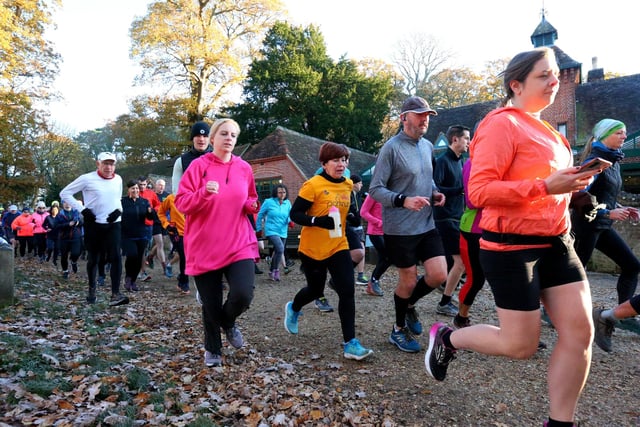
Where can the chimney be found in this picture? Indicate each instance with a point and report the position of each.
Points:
(594, 62)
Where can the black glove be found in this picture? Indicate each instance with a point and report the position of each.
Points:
(324, 222)
(353, 220)
(88, 216)
(172, 231)
(585, 204)
(113, 216)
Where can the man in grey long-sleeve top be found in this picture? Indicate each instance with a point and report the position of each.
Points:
(403, 183)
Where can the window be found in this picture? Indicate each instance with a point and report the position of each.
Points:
(562, 128)
(264, 187)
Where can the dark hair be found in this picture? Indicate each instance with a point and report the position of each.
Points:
(142, 178)
(131, 183)
(456, 130)
(274, 191)
(520, 66)
(331, 150)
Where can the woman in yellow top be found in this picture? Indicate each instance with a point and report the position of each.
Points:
(319, 252)
(522, 176)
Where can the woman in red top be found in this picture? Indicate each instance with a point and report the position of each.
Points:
(522, 176)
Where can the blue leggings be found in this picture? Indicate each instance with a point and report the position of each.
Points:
(278, 250)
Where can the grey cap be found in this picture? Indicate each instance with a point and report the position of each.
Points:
(416, 104)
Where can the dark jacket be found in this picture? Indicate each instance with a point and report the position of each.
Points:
(447, 175)
(191, 155)
(605, 188)
(7, 219)
(134, 214)
(66, 231)
(50, 226)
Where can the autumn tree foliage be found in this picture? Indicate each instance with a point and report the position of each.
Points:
(28, 64)
(198, 50)
(294, 83)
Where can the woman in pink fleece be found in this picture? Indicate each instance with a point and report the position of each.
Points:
(371, 211)
(216, 193)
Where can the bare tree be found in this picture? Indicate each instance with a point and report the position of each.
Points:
(417, 58)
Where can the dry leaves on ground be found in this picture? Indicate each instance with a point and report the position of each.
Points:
(66, 363)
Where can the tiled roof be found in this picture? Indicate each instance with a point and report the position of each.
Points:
(162, 168)
(467, 115)
(617, 98)
(564, 61)
(303, 150)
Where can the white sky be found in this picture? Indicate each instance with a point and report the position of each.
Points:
(96, 77)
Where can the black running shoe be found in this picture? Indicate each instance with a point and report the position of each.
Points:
(438, 356)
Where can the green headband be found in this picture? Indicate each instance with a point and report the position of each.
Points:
(607, 127)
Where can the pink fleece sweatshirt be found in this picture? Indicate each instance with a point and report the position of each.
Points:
(217, 229)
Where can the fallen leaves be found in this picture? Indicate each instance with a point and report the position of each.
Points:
(65, 363)
(143, 362)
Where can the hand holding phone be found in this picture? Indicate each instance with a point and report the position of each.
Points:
(597, 163)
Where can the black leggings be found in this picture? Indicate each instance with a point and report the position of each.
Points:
(133, 250)
(69, 248)
(103, 239)
(217, 314)
(613, 246)
(179, 248)
(26, 245)
(383, 258)
(40, 244)
(340, 267)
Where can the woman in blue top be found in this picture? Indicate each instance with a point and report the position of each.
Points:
(273, 220)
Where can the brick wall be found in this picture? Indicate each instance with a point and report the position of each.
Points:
(563, 110)
(283, 168)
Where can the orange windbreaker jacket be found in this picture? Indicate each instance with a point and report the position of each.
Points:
(512, 153)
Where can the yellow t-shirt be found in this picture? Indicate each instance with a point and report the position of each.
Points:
(322, 193)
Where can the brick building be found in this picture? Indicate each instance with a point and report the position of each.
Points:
(577, 108)
(291, 158)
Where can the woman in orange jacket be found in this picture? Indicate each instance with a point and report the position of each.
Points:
(522, 176)
(23, 227)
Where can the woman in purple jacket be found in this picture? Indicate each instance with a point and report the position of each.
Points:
(216, 193)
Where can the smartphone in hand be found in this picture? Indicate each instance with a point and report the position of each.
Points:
(597, 163)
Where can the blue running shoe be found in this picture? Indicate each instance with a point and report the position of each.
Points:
(354, 350)
(412, 321)
(404, 340)
(323, 305)
(291, 318)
